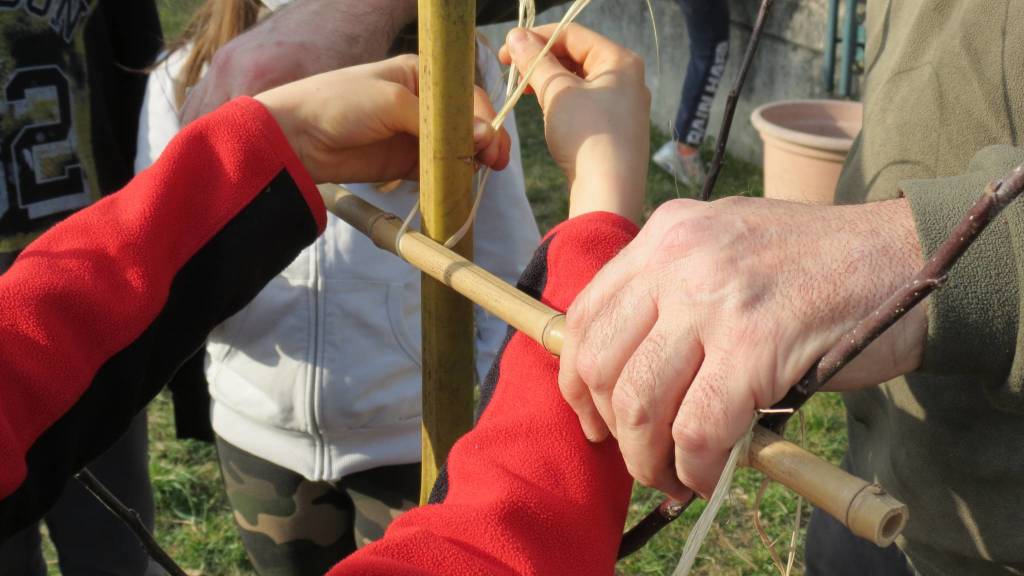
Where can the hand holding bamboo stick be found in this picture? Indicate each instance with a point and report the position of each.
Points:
(871, 513)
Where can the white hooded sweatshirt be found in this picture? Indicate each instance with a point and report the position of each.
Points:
(320, 374)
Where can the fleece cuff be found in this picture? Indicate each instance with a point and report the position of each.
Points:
(973, 318)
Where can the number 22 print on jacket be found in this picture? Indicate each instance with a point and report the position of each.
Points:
(71, 84)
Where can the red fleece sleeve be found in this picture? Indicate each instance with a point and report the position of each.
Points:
(526, 492)
(99, 312)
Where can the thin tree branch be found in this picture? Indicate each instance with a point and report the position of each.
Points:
(931, 276)
(656, 519)
(131, 519)
(730, 102)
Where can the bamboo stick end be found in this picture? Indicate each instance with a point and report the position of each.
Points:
(876, 516)
(553, 335)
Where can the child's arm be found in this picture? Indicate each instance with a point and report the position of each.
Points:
(99, 312)
(524, 492)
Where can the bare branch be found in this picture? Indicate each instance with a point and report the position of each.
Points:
(131, 519)
(730, 102)
(656, 519)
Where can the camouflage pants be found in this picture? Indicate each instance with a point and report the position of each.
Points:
(292, 526)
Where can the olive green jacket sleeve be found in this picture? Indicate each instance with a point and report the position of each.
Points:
(973, 320)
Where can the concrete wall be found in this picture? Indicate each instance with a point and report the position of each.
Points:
(788, 63)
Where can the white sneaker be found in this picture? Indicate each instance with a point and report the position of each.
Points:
(687, 169)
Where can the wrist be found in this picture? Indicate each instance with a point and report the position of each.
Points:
(607, 179)
(883, 254)
(284, 113)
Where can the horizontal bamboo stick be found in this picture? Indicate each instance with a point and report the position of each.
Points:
(863, 507)
(541, 323)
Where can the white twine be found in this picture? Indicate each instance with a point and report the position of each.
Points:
(700, 530)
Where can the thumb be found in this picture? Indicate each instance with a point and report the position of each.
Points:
(548, 75)
(400, 109)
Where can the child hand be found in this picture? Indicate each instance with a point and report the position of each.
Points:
(361, 124)
(595, 114)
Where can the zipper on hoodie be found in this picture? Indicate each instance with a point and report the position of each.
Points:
(316, 370)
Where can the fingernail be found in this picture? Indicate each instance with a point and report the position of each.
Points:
(480, 130)
(517, 38)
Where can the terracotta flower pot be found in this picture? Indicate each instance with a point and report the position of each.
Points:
(805, 145)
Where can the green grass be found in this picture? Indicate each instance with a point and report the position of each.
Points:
(194, 520)
(174, 14)
(195, 523)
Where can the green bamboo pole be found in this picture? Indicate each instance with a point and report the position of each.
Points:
(447, 58)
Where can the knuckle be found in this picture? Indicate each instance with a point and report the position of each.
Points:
(409, 60)
(578, 314)
(731, 202)
(641, 475)
(393, 95)
(680, 239)
(693, 481)
(222, 57)
(632, 62)
(570, 387)
(673, 210)
(689, 439)
(588, 367)
(629, 409)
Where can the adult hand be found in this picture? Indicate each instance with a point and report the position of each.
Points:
(305, 38)
(595, 107)
(716, 309)
(360, 124)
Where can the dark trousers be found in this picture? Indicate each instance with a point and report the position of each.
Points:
(707, 23)
(832, 550)
(91, 541)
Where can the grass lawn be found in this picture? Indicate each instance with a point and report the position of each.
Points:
(194, 521)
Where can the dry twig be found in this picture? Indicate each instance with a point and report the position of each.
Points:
(730, 102)
(131, 519)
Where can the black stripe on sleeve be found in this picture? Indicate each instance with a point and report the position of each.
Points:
(220, 279)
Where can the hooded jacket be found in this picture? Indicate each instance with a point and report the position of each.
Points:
(320, 374)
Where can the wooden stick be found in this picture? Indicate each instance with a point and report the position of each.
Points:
(447, 64)
(131, 519)
(538, 321)
(861, 506)
(663, 515)
(789, 465)
(730, 102)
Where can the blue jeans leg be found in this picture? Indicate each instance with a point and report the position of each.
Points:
(707, 23)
